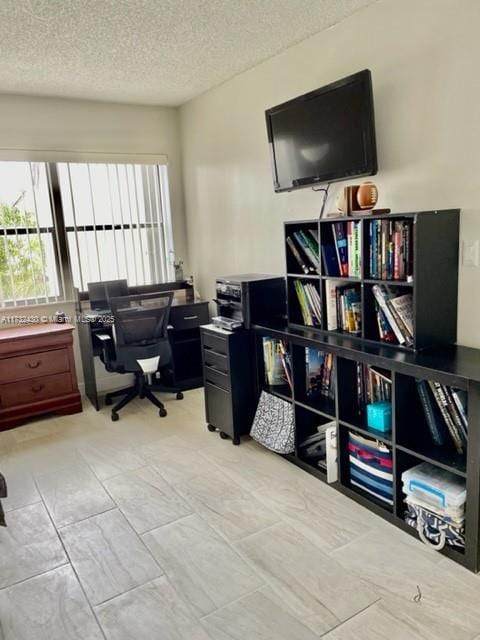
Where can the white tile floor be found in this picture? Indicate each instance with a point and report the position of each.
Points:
(152, 528)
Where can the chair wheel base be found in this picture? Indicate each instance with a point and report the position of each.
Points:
(179, 395)
(115, 416)
(162, 413)
(223, 435)
(211, 428)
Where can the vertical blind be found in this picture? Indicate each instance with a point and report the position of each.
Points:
(117, 222)
(80, 223)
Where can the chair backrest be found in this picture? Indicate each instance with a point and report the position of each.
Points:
(141, 319)
(100, 293)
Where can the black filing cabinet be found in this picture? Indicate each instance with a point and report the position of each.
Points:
(228, 374)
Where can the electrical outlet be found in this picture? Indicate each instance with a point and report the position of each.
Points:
(470, 253)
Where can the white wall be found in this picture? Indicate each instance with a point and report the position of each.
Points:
(85, 126)
(424, 57)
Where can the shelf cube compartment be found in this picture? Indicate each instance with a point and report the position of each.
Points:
(302, 252)
(304, 302)
(362, 385)
(275, 364)
(388, 314)
(389, 249)
(366, 466)
(432, 421)
(312, 439)
(314, 378)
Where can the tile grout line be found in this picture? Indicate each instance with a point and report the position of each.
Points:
(325, 635)
(228, 604)
(23, 506)
(72, 567)
(93, 515)
(36, 575)
(139, 537)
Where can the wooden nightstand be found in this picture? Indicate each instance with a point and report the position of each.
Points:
(37, 373)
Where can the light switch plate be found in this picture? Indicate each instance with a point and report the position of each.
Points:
(470, 253)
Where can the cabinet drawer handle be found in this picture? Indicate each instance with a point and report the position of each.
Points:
(216, 353)
(190, 317)
(210, 366)
(212, 384)
(34, 365)
(37, 387)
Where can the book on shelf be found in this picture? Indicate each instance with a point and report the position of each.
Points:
(305, 250)
(329, 260)
(297, 255)
(343, 307)
(436, 425)
(391, 249)
(346, 236)
(309, 302)
(277, 363)
(394, 315)
(319, 373)
(373, 385)
(450, 415)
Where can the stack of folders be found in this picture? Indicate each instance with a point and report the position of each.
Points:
(304, 248)
(277, 363)
(310, 303)
(371, 467)
(373, 385)
(319, 373)
(445, 410)
(394, 315)
(343, 304)
(391, 250)
(342, 256)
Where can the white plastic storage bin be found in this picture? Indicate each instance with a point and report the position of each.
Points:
(438, 488)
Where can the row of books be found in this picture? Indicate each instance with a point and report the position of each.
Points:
(343, 306)
(304, 248)
(342, 257)
(319, 374)
(310, 303)
(394, 315)
(445, 410)
(391, 250)
(277, 363)
(373, 385)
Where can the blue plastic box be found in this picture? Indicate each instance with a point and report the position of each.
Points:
(379, 416)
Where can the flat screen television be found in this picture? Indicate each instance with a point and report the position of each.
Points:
(325, 135)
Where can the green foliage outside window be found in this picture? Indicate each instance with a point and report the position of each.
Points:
(22, 257)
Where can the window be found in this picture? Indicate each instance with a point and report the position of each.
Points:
(29, 260)
(76, 223)
(117, 222)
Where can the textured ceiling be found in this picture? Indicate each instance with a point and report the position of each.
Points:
(148, 51)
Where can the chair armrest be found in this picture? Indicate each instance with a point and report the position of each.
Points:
(105, 341)
(104, 337)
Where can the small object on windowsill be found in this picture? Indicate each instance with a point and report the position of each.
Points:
(60, 317)
(379, 416)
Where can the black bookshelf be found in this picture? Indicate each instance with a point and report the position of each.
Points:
(409, 439)
(434, 283)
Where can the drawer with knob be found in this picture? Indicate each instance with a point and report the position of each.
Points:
(34, 365)
(34, 390)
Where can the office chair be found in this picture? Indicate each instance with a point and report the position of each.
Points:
(140, 346)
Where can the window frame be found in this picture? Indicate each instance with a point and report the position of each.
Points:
(161, 244)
